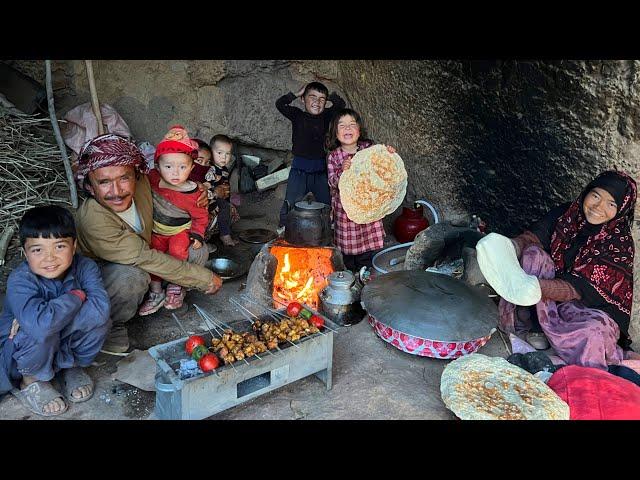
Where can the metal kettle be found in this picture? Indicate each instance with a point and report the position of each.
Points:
(340, 299)
(308, 224)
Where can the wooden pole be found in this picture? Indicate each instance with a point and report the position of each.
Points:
(4, 242)
(56, 131)
(94, 97)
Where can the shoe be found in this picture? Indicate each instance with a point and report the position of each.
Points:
(538, 340)
(117, 340)
(175, 297)
(153, 303)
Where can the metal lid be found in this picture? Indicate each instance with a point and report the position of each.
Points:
(430, 305)
(310, 205)
(342, 279)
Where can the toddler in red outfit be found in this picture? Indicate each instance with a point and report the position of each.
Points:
(178, 222)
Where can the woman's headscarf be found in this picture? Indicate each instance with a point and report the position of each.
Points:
(606, 259)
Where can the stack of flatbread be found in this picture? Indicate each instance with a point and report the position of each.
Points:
(477, 387)
(374, 186)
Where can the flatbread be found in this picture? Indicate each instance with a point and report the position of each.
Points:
(477, 387)
(499, 264)
(374, 186)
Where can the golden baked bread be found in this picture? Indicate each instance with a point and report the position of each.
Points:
(477, 387)
(374, 186)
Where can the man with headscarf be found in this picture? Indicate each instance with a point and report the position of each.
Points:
(114, 227)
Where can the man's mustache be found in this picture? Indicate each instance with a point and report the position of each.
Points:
(116, 198)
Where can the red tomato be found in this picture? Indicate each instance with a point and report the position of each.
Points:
(208, 362)
(192, 342)
(293, 309)
(317, 321)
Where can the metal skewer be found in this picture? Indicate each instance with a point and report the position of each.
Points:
(257, 318)
(186, 334)
(219, 322)
(202, 314)
(180, 325)
(280, 314)
(242, 312)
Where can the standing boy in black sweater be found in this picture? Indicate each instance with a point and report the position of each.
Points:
(309, 127)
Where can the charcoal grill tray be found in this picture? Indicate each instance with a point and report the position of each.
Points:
(207, 394)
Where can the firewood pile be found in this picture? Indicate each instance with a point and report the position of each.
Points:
(31, 171)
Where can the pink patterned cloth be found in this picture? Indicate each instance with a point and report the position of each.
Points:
(579, 335)
(351, 238)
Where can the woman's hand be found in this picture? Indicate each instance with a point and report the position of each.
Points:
(346, 165)
(214, 285)
(196, 244)
(390, 149)
(203, 199)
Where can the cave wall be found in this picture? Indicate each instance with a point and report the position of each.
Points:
(234, 97)
(503, 139)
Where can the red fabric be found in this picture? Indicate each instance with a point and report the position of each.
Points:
(185, 201)
(606, 260)
(198, 173)
(177, 141)
(350, 237)
(79, 293)
(594, 394)
(177, 246)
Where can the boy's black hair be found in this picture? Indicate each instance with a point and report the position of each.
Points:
(317, 86)
(220, 138)
(331, 141)
(48, 221)
(203, 145)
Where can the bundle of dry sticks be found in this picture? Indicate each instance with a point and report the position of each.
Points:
(31, 170)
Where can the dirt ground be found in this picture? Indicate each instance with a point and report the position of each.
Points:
(371, 379)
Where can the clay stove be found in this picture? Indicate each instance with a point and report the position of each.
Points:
(285, 272)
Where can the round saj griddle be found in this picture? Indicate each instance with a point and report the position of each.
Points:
(429, 314)
(257, 235)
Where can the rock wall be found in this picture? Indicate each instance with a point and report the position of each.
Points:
(505, 140)
(234, 97)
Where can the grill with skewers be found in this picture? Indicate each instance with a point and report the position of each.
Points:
(261, 350)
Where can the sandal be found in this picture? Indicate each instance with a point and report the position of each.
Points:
(175, 297)
(152, 304)
(37, 395)
(73, 378)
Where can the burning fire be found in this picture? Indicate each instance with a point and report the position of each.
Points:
(301, 274)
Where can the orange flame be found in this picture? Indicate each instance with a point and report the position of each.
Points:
(301, 274)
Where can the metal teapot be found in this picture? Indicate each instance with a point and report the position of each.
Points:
(308, 224)
(340, 299)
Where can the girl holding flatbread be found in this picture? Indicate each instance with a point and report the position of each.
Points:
(582, 253)
(357, 242)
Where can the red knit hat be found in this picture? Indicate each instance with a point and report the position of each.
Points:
(177, 141)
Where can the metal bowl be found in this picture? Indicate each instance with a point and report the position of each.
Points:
(227, 268)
